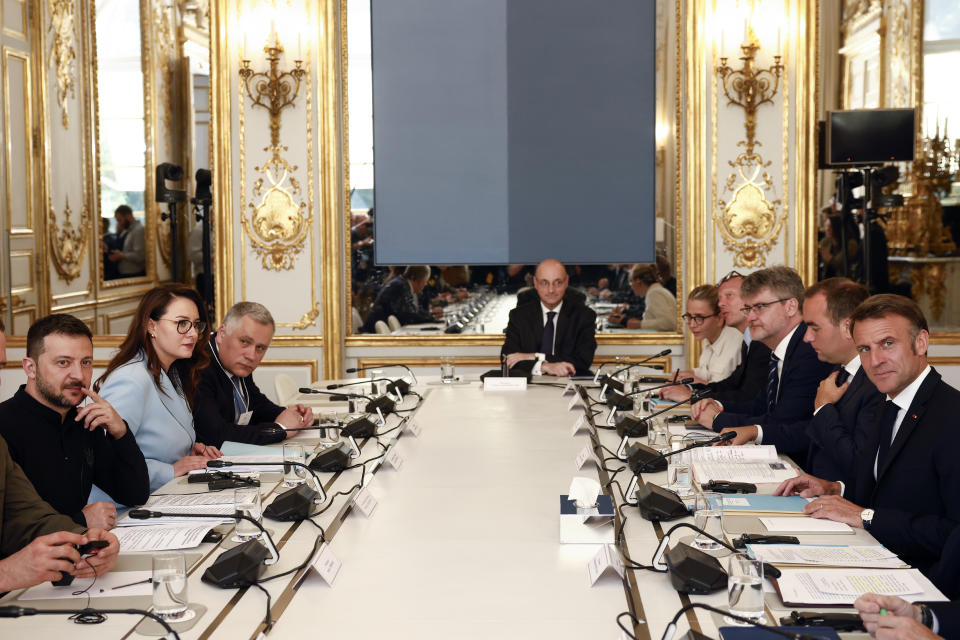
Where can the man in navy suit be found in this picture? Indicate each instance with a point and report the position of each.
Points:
(846, 400)
(773, 302)
(908, 478)
(553, 335)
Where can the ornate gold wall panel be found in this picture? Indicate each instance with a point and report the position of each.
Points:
(68, 244)
(62, 53)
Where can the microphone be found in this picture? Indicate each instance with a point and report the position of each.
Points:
(643, 459)
(321, 496)
(342, 396)
(386, 366)
(236, 567)
(637, 427)
(383, 405)
(13, 611)
(671, 629)
(609, 380)
(621, 401)
(356, 382)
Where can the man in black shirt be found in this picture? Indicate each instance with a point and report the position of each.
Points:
(63, 450)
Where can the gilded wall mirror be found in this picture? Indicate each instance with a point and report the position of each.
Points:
(472, 303)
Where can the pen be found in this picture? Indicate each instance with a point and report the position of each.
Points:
(132, 584)
(884, 612)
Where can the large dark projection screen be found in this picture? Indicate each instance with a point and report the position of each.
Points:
(508, 131)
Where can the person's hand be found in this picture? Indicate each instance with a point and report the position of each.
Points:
(615, 317)
(603, 283)
(744, 435)
(559, 369)
(207, 451)
(99, 561)
(835, 508)
(634, 323)
(898, 628)
(807, 486)
(187, 464)
(828, 392)
(436, 312)
(676, 393)
(294, 417)
(115, 255)
(513, 358)
(869, 604)
(41, 561)
(706, 411)
(100, 515)
(101, 413)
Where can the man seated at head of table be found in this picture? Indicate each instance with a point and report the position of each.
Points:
(659, 306)
(721, 344)
(229, 405)
(551, 336)
(750, 376)
(399, 297)
(893, 618)
(36, 542)
(907, 480)
(773, 301)
(62, 447)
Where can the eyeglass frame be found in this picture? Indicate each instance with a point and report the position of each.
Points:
(697, 320)
(731, 275)
(760, 307)
(199, 325)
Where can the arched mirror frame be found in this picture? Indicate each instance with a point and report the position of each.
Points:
(671, 51)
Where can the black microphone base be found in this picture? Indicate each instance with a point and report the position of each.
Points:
(658, 504)
(631, 426)
(693, 571)
(293, 504)
(332, 460)
(237, 567)
(643, 459)
(359, 428)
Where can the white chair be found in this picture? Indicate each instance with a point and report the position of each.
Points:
(381, 327)
(393, 322)
(356, 320)
(286, 389)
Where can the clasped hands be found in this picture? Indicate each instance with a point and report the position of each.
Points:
(547, 368)
(828, 504)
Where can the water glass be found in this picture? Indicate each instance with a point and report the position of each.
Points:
(658, 435)
(708, 517)
(745, 586)
(293, 475)
(170, 600)
(679, 470)
(376, 388)
(447, 370)
(329, 436)
(247, 501)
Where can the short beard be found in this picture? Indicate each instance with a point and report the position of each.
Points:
(52, 396)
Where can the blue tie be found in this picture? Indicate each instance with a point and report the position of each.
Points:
(546, 345)
(773, 381)
(239, 406)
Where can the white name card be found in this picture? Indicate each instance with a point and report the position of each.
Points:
(587, 455)
(324, 563)
(414, 427)
(365, 502)
(574, 401)
(394, 459)
(567, 390)
(607, 558)
(504, 384)
(581, 424)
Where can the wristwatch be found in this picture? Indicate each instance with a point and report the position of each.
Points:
(866, 516)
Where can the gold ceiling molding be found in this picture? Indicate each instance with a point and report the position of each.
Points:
(62, 18)
(856, 13)
(163, 16)
(68, 244)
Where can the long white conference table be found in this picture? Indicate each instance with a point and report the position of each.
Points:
(463, 541)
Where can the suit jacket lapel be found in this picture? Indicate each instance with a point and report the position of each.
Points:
(174, 405)
(910, 420)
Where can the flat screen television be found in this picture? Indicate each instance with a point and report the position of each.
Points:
(870, 136)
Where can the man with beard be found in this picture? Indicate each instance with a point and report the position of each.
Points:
(64, 450)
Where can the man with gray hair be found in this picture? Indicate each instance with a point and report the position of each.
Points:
(229, 406)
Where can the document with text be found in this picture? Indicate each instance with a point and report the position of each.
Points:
(161, 537)
(803, 587)
(873, 556)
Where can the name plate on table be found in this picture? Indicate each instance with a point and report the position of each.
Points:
(581, 424)
(505, 384)
(607, 558)
(365, 502)
(394, 459)
(567, 390)
(587, 455)
(586, 526)
(413, 427)
(576, 401)
(324, 563)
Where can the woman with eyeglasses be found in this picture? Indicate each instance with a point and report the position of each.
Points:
(153, 378)
(721, 343)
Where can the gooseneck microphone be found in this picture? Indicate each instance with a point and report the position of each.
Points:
(308, 390)
(321, 496)
(619, 400)
(13, 611)
(671, 629)
(386, 366)
(609, 380)
(657, 562)
(637, 427)
(723, 437)
(356, 382)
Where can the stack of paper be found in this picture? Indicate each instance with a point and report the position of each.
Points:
(217, 503)
(804, 587)
(161, 537)
(803, 524)
(750, 463)
(866, 556)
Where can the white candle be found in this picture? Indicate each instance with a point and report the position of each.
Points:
(722, 48)
(244, 52)
(273, 32)
(299, 48)
(778, 40)
(746, 32)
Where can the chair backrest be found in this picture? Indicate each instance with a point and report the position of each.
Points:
(381, 327)
(286, 388)
(393, 323)
(357, 321)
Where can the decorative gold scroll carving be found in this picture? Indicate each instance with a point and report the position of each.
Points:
(62, 19)
(901, 53)
(749, 223)
(164, 242)
(164, 38)
(856, 12)
(69, 244)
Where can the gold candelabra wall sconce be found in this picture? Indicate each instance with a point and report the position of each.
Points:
(749, 223)
(278, 225)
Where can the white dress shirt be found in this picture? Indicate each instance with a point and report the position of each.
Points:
(541, 357)
(720, 358)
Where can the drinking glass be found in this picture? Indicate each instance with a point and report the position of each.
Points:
(293, 475)
(376, 388)
(658, 435)
(679, 470)
(247, 501)
(447, 370)
(708, 517)
(745, 586)
(170, 600)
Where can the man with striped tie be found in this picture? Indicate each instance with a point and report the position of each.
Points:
(773, 306)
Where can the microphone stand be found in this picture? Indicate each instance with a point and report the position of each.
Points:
(387, 366)
(615, 403)
(658, 564)
(321, 496)
(609, 379)
(383, 421)
(391, 387)
(644, 467)
(623, 443)
(13, 611)
(144, 514)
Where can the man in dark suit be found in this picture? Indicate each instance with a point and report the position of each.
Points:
(229, 405)
(400, 297)
(908, 478)
(773, 300)
(552, 336)
(846, 400)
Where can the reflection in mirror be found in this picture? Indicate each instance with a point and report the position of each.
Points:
(121, 146)
(458, 299)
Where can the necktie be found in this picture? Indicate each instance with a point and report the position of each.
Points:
(890, 411)
(239, 406)
(773, 381)
(546, 345)
(743, 352)
(842, 375)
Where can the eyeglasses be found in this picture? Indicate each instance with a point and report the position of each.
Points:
(732, 274)
(184, 326)
(760, 307)
(697, 320)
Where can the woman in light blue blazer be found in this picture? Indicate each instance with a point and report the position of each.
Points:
(152, 380)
